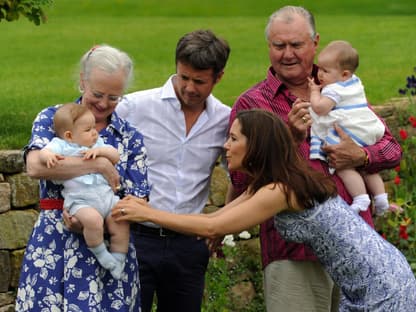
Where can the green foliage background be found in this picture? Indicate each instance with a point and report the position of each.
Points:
(39, 63)
(11, 10)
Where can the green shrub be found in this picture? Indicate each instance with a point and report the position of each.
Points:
(398, 226)
(237, 265)
(10, 10)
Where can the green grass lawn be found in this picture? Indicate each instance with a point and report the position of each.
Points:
(39, 63)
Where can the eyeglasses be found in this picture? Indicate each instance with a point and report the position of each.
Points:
(113, 99)
(99, 96)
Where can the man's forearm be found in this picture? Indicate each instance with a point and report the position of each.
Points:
(385, 154)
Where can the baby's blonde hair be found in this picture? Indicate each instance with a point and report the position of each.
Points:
(66, 116)
(345, 55)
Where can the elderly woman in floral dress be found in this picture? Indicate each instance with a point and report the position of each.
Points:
(59, 272)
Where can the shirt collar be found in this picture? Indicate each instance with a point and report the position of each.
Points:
(168, 93)
(277, 86)
(116, 123)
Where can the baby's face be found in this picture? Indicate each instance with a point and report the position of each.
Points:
(329, 71)
(84, 132)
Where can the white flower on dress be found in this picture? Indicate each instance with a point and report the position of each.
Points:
(72, 261)
(123, 156)
(54, 302)
(49, 229)
(40, 238)
(60, 227)
(129, 184)
(93, 287)
(116, 304)
(53, 280)
(43, 258)
(95, 296)
(83, 295)
(70, 288)
(25, 296)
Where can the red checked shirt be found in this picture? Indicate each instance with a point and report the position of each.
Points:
(273, 96)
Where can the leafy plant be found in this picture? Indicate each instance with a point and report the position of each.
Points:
(399, 225)
(10, 10)
(410, 88)
(235, 263)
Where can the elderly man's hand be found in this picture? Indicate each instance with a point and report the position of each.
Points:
(346, 154)
(299, 120)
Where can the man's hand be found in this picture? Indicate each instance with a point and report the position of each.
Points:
(71, 222)
(109, 172)
(299, 120)
(346, 154)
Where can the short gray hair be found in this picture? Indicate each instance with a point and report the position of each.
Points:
(286, 14)
(108, 59)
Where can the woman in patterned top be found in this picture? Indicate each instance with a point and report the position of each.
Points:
(371, 273)
(59, 272)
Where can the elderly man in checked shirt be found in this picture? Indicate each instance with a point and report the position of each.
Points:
(293, 278)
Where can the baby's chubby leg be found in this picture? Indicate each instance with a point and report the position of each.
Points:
(119, 242)
(93, 225)
(119, 234)
(93, 230)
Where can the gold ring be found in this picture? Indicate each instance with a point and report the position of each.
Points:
(123, 213)
(304, 120)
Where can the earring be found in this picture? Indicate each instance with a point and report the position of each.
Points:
(81, 90)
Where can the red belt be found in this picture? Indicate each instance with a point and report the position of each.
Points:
(50, 204)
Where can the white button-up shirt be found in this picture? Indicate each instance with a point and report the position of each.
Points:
(180, 165)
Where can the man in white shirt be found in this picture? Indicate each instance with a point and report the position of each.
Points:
(184, 128)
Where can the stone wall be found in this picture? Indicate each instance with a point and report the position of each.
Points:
(18, 212)
(19, 196)
(19, 209)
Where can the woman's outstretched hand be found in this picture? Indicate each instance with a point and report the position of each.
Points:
(131, 208)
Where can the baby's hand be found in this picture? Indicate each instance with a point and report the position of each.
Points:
(90, 153)
(52, 160)
(312, 85)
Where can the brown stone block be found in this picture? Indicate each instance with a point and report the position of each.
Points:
(16, 227)
(11, 161)
(5, 195)
(16, 258)
(24, 190)
(5, 271)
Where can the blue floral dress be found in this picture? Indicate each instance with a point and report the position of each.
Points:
(371, 273)
(58, 272)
